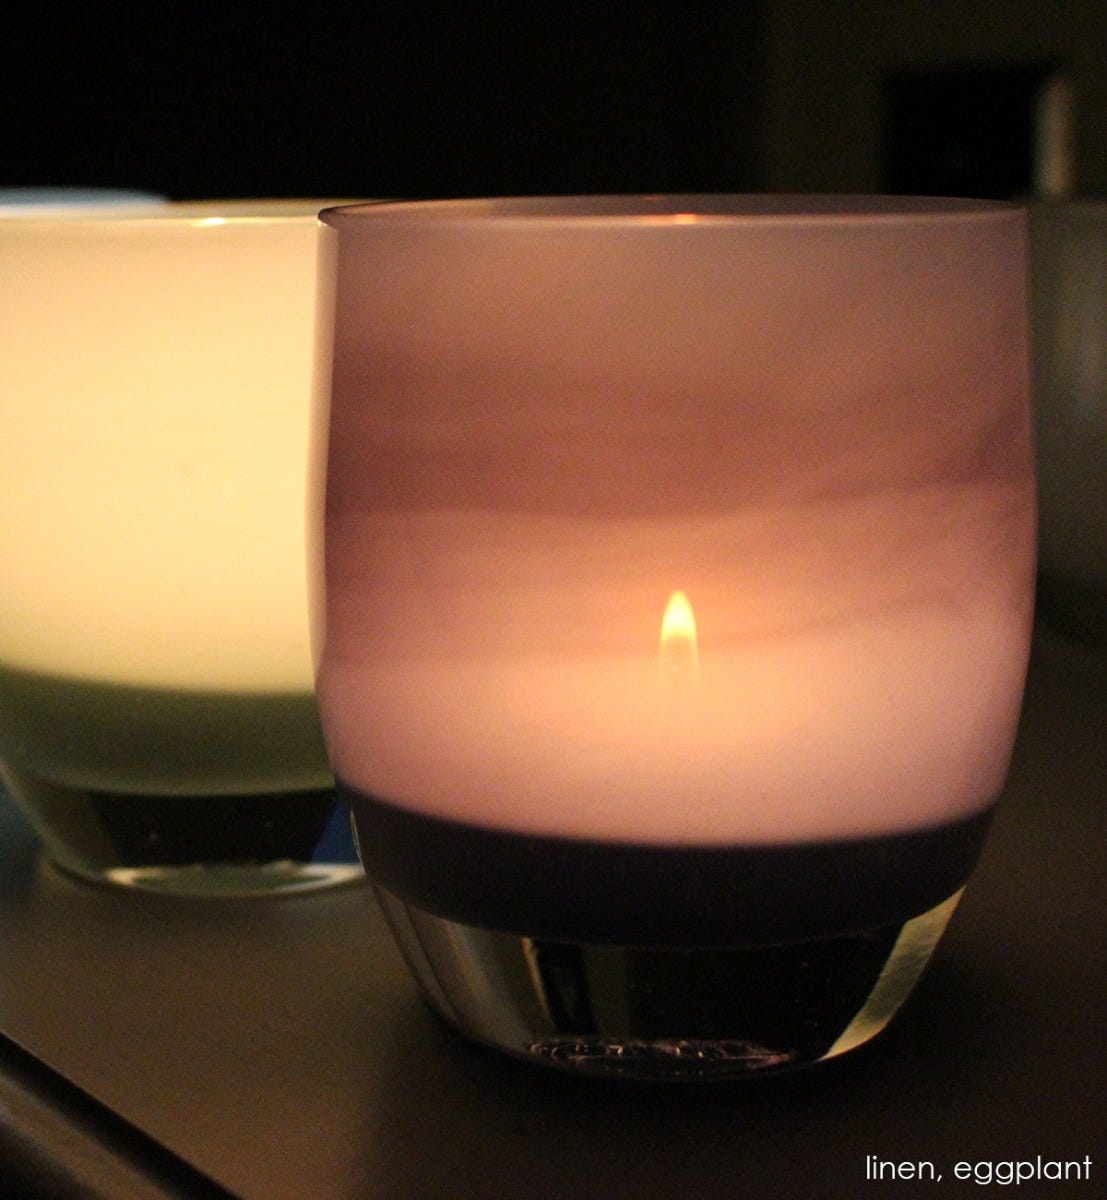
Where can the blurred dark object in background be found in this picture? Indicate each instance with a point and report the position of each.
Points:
(993, 130)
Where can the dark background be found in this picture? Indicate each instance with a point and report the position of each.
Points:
(420, 100)
(372, 99)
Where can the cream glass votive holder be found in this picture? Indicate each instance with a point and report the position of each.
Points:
(157, 717)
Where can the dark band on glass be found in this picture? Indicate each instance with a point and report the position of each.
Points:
(628, 893)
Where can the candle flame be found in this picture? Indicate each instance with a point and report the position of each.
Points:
(678, 655)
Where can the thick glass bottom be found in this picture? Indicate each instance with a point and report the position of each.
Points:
(665, 1012)
(251, 844)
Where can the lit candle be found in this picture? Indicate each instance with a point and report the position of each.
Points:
(558, 426)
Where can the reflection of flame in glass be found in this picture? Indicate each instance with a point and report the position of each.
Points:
(678, 656)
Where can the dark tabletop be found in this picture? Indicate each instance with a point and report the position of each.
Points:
(271, 1049)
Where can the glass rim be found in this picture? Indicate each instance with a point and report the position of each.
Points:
(178, 214)
(709, 210)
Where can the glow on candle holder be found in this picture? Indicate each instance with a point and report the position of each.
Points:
(752, 429)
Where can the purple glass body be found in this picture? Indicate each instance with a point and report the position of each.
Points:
(808, 417)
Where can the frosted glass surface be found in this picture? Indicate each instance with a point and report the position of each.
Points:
(809, 416)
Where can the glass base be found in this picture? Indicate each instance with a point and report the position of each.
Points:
(665, 1012)
(237, 845)
(239, 880)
